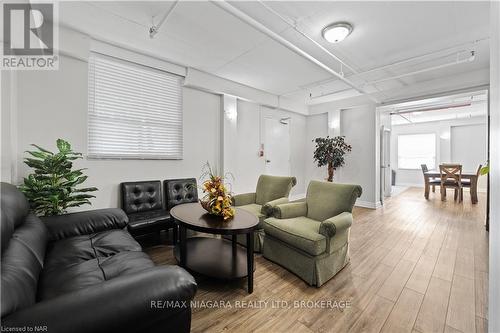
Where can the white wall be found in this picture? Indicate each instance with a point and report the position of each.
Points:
(469, 147)
(243, 137)
(494, 257)
(316, 126)
(53, 104)
(444, 144)
(358, 125)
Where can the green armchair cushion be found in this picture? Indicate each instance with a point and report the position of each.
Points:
(325, 200)
(243, 199)
(290, 210)
(299, 232)
(270, 188)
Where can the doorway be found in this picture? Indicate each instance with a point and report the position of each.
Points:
(277, 146)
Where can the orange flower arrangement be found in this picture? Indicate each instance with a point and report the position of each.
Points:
(217, 199)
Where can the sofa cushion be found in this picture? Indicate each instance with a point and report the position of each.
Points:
(300, 232)
(180, 191)
(255, 210)
(148, 219)
(79, 262)
(15, 208)
(141, 196)
(22, 261)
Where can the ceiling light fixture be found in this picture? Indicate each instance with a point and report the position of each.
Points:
(337, 32)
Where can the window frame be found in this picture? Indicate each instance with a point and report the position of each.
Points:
(90, 109)
(417, 167)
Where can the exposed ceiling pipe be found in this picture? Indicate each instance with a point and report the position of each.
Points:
(432, 108)
(153, 30)
(447, 52)
(328, 93)
(456, 62)
(262, 28)
(294, 27)
(376, 69)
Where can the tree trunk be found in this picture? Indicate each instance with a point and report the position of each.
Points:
(330, 172)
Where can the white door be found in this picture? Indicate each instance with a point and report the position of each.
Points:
(469, 147)
(385, 162)
(277, 146)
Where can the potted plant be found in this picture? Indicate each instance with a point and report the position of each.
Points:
(53, 187)
(331, 152)
(217, 199)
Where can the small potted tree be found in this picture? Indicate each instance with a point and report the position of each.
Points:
(331, 152)
(54, 185)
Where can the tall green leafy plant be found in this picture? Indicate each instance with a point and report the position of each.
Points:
(331, 152)
(53, 187)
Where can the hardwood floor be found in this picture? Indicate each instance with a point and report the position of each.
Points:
(416, 266)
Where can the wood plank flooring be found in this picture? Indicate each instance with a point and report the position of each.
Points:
(416, 266)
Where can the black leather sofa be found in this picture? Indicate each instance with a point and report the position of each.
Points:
(83, 272)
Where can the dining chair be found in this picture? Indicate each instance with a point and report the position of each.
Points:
(451, 177)
(469, 184)
(432, 181)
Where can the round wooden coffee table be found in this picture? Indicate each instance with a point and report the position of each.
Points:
(215, 257)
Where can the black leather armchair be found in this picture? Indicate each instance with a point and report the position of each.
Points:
(143, 204)
(180, 191)
(83, 272)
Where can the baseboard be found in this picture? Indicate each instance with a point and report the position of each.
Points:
(410, 185)
(368, 204)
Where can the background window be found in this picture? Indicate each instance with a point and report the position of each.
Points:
(135, 111)
(416, 149)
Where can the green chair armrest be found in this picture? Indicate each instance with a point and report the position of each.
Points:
(244, 199)
(268, 208)
(334, 224)
(290, 210)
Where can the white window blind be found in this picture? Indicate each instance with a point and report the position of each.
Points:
(416, 149)
(135, 111)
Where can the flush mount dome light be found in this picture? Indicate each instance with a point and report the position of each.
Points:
(337, 32)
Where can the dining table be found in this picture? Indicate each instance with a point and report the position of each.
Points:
(472, 175)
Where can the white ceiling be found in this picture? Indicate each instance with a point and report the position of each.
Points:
(204, 36)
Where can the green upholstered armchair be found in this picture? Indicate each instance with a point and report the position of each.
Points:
(270, 191)
(311, 237)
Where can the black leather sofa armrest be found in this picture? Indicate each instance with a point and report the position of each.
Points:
(124, 304)
(84, 223)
